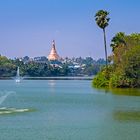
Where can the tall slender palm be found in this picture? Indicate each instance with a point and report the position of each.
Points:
(102, 21)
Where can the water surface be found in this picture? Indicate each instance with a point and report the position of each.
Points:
(66, 110)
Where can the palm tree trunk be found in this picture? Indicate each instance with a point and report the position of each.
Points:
(105, 46)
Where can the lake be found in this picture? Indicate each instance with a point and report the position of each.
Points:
(67, 110)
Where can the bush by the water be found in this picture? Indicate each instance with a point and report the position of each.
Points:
(125, 67)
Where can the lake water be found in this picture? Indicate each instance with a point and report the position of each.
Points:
(66, 110)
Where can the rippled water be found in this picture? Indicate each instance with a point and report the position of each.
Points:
(67, 110)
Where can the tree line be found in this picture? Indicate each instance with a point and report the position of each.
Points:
(123, 70)
(8, 68)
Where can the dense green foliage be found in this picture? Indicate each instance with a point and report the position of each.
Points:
(125, 68)
(88, 67)
(7, 68)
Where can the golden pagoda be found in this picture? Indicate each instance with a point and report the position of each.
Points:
(53, 53)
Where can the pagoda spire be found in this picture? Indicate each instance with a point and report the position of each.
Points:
(53, 43)
(53, 53)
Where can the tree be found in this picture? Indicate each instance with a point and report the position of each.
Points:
(117, 40)
(7, 68)
(124, 72)
(102, 21)
(118, 45)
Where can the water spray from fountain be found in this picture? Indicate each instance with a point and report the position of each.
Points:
(5, 110)
(18, 79)
(3, 97)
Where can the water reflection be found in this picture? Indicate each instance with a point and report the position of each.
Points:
(128, 91)
(51, 83)
(121, 91)
(127, 115)
(101, 91)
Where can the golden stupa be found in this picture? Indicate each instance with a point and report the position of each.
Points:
(53, 53)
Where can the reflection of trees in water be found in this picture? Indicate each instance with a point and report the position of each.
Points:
(127, 91)
(127, 115)
(121, 91)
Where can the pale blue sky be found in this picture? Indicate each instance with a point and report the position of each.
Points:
(27, 27)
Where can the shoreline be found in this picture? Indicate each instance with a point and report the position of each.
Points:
(49, 78)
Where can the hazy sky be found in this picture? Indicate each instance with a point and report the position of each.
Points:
(27, 27)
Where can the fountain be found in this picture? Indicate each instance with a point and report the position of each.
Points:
(18, 79)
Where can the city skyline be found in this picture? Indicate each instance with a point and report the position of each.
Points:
(28, 27)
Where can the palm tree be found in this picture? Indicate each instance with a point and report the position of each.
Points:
(102, 21)
(118, 44)
(117, 40)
